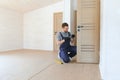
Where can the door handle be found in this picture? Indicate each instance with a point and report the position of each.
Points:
(78, 28)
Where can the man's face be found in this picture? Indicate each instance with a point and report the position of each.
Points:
(65, 29)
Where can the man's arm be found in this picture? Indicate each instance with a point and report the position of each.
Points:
(72, 40)
(60, 42)
(59, 39)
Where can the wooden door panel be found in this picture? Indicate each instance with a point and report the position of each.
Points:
(88, 34)
(88, 38)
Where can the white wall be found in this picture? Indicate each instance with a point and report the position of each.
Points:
(38, 27)
(69, 11)
(75, 4)
(10, 30)
(110, 40)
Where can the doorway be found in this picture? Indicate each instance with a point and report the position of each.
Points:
(58, 19)
(88, 30)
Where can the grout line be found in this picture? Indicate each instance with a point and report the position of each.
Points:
(40, 71)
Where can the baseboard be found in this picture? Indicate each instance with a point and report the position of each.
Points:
(12, 50)
(39, 50)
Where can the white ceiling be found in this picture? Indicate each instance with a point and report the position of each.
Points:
(25, 5)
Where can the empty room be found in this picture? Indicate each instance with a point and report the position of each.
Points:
(59, 39)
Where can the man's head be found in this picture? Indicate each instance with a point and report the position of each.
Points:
(65, 27)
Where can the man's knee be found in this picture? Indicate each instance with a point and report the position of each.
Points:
(75, 53)
(75, 48)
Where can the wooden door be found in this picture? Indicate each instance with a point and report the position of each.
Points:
(58, 19)
(75, 28)
(88, 21)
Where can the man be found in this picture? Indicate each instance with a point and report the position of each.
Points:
(64, 39)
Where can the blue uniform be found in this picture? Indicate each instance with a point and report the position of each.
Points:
(65, 48)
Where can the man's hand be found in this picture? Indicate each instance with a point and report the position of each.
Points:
(62, 41)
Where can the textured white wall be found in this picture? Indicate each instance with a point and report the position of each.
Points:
(110, 39)
(11, 36)
(38, 27)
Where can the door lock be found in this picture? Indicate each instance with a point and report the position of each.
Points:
(78, 30)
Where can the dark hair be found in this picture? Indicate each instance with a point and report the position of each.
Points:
(64, 25)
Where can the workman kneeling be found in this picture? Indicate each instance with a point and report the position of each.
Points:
(64, 40)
